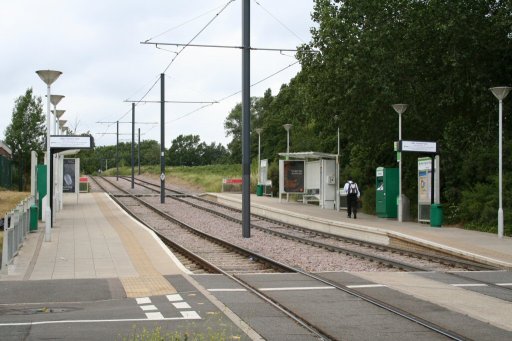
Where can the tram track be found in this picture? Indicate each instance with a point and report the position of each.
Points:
(335, 243)
(321, 334)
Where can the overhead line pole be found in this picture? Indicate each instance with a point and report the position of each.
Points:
(138, 151)
(133, 145)
(162, 138)
(117, 152)
(246, 120)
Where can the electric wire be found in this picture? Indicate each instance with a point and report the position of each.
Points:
(280, 22)
(183, 23)
(181, 50)
(233, 94)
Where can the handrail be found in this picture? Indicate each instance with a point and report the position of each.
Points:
(16, 228)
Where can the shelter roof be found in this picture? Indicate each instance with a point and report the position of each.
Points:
(309, 155)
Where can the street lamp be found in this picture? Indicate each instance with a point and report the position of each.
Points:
(258, 131)
(287, 126)
(48, 76)
(58, 114)
(55, 99)
(400, 109)
(500, 93)
(61, 125)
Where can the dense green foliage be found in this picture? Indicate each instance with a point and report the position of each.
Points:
(25, 133)
(440, 57)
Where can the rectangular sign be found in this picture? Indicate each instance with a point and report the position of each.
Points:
(67, 141)
(418, 146)
(293, 176)
(68, 173)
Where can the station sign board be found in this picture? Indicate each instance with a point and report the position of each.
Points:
(417, 146)
(70, 142)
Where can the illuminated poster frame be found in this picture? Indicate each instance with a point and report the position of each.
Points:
(293, 175)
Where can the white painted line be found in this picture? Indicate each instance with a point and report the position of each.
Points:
(39, 323)
(504, 284)
(143, 300)
(470, 285)
(296, 288)
(366, 286)
(226, 290)
(190, 315)
(155, 316)
(174, 297)
(181, 305)
(148, 307)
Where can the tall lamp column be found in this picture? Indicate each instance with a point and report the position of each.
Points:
(500, 93)
(400, 109)
(48, 76)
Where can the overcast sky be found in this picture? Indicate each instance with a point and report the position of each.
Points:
(97, 46)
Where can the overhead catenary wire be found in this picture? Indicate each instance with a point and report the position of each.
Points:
(279, 21)
(226, 97)
(181, 50)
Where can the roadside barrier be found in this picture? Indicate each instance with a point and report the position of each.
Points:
(16, 228)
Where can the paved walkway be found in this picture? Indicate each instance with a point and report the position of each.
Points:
(481, 246)
(95, 239)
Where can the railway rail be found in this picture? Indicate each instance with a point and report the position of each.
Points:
(349, 246)
(235, 272)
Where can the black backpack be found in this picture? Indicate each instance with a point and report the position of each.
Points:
(352, 188)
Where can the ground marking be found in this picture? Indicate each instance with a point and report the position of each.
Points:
(148, 307)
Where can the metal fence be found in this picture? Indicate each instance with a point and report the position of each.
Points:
(5, 172)
(16, 227)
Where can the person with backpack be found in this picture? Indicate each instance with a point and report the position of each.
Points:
(353, 194)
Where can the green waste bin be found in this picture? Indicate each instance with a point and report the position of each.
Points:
(33, 218)
(259, 190)
(436, 215)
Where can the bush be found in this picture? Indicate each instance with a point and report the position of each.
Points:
(478, 209)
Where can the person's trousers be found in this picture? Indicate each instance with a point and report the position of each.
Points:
(352, 205)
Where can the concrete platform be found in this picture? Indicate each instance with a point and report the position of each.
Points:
(473, 245)
(95, 239)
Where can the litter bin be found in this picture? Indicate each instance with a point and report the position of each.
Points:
(33, 218)
(259, 190)
(436, 215)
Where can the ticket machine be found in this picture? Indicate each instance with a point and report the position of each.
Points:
(386, 192)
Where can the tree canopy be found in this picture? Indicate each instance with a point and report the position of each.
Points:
(26, 131)
(438, 56)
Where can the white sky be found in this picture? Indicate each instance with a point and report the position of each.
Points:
(96, 44)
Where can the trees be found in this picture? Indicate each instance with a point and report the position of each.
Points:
(26, 131)
(188, 150)
(438, 56)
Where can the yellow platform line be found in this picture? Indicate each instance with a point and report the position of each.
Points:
(149, 282)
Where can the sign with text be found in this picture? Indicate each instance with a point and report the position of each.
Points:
(72, 142)
(417, 146)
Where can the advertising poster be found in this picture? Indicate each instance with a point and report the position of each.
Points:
(68, 183)
(294, 176)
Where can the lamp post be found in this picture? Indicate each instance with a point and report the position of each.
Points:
(55, 99)
(258, 131)
(62, 123)
(287, 126)
(48, 76)
(58, 114)
(400, 109)
(500, 93)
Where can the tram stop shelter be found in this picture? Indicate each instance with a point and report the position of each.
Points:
(313, 176)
